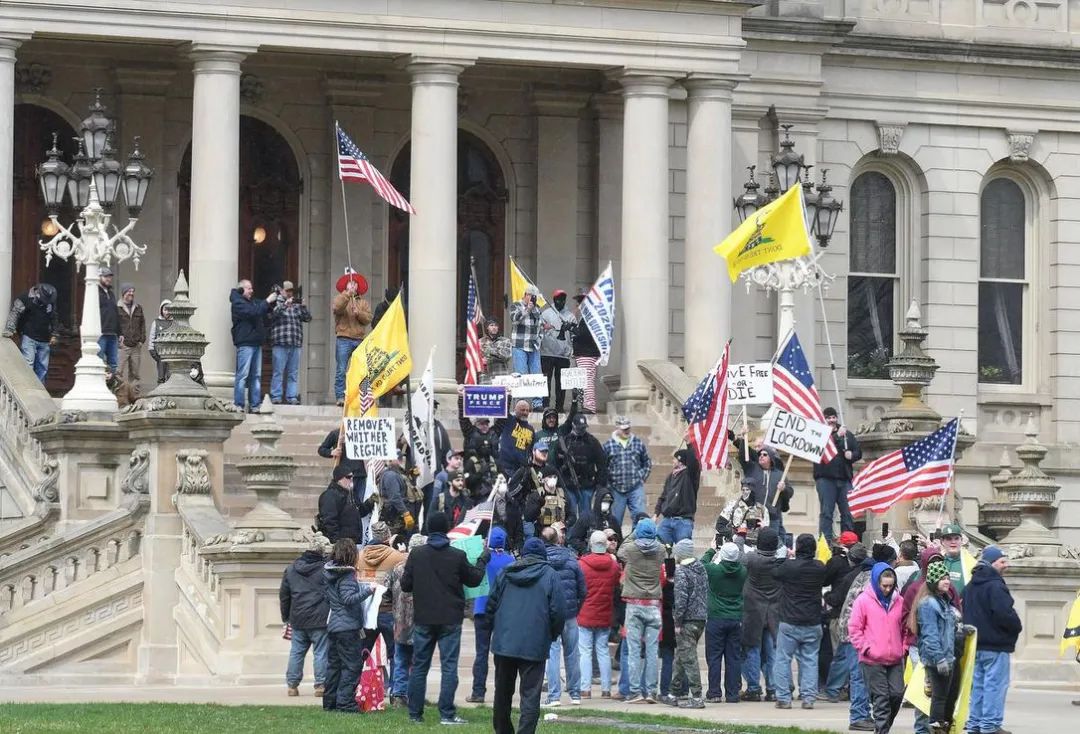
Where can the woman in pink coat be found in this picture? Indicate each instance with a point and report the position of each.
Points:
(876, 630)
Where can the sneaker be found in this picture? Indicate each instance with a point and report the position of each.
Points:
(691, 703)
(714, 699)
(474, 699)
(635, 698)
(783, 704)
(319, 690)
(862, 725)
(808, 704)
(453, 721)
(650, 699)
(752, 696)
(607, 694)
(341, 403)
(616, 696)
(575, 701)
(829, 698)
(669, 700)
(551, 704)
(293, 691)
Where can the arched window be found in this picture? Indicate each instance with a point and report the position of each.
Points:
(1003, 281)
(873, 276)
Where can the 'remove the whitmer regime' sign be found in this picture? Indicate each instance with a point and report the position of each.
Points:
(370, 438)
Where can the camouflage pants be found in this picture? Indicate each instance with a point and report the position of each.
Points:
(686, 678)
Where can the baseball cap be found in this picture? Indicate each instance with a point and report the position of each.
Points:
(848, 538)
(287, 285)
(558, 292)
(541, 445)
(454, 452)
(951, 529)
(621, 421)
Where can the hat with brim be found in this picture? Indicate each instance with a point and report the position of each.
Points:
(951, 529)
(361, 283)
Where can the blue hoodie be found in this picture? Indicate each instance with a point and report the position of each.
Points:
(500, 559)
(875, 578)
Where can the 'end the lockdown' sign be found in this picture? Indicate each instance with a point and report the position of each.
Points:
(370, 438)
(749, 384)
(794, 434)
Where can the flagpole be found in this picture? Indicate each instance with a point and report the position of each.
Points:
(832, 359)
(951, 489)
(344, 204)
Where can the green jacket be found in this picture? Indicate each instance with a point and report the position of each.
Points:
(726, 580)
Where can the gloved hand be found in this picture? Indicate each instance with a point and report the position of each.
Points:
(484, 557)
(944, 668)
(409, 522)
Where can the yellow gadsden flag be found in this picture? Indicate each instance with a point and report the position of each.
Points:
(1070, 638)
(824, 552)
(380, 362)
(519, 282)
(777, 231)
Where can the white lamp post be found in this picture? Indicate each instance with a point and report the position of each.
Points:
(92, 184)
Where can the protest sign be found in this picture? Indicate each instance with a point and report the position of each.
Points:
(370, 438)
(474, 548)
(750, 384)
(484, 401)
(797, 435)
(572, 378)
(524, 386)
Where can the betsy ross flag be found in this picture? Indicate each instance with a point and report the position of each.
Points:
(474, 317)
(923, 469)
(794, 391)
(706, 410)
(354, 166)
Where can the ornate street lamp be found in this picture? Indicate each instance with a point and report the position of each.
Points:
(787, 164)
(92, 183)
(826, 213)
(751, 199)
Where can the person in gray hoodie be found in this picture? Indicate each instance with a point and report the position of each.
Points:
(345, 626)
(761, 615)
(643, 556)
(690, 612)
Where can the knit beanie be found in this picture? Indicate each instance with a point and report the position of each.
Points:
(935, 572)
(380, 532)
(991, 553)
(684, 549)
(438, 523)
(598, 542)
(534, 547)
(857, 554)
(729, 552)
(767, 540)
(417, 540)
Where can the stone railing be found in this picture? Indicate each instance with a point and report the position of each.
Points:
(35, 572)
(198, 583)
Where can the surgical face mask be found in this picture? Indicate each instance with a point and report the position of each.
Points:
(605, 506)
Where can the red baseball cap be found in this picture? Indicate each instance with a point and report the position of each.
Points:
(848, 538)
(361, 283)
(558, 292)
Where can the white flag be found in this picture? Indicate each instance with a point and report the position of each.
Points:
(598, 312)
(422, 429)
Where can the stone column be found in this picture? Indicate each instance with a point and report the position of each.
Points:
(708, 219)
(609, 129)
(557, 188)
(215, 202)
(433, 231)
(645, 229)
(8, 45)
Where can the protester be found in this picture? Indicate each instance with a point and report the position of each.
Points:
(598, 518)
(906, 567)
(476, 431)
(927, 557)
(677, 503)
(692, 597)
(586, 355)
(775, 492)
(131, 335)
(500, 559)
(745, 510)
(629, 467)
(515, 440)
(454, 500)
(839, 564)
(555, 346)
(381, 307)
(666, 641)
(572, 584)
(844, 670)
(403, 628)
(376, 560)
(748, 455)
(435, 574)
(932, 622)
(332, 448)
(481, 470)
(876, 630)
(304, 608)
(527, 613)
(601, 572)
(801, 580)
(525, 496)
(643, 556)
(248, 334)
(344, 625)
(159, 325)
(952, 547)
(833, 479)
(33, 316)
(988, 606)
(723, 630)
(582, 463)
(544, 506)
(108, 342)
(760, 620)
(527, 325)
(497, 352)
(339, 512)
(395, 490)
(287, 338)
(352, 314)
(550, 430)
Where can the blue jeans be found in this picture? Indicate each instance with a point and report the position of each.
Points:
(674, 529)
(667, 655)
(566, 646)
(286, 364)
(758, 662)
(635, 498)
(301, 641)
(425, 638)
(832, 494)
(667, 663)
(801, 643)
(988, 691)
(594, 640)
(399, 684)
(248, 378)
(642, 628)
(482, 627)
(723, 643)
(527, 363)
(36, 355)
(343, 349)
(845, 669)
(579, 500)
(109, 350)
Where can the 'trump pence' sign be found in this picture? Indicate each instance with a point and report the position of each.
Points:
(750, 384)
(797, 435)
(370, 438)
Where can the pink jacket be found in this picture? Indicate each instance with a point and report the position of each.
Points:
(877, 634)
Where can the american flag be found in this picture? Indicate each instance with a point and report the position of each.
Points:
(794, 391)
(706, 410)
(472, 523)
(922, 469)
(474, 316)
(354, 166)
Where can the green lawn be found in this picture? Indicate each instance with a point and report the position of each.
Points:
(194, 718)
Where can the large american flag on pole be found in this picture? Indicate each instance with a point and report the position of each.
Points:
(922, 469)
(793, 388)
(474, 317)
(355, 167)
(706, 410)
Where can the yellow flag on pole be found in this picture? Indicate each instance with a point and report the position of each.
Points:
(519, 282)
(824, 552)
(380, 362)
(777, 231)
(1071, 636)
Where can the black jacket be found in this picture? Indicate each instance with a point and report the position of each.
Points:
(436, 574)
(581, 460)
(303, 593)
(249, 318)
(838, 591)
(526, 608)
(592, 520)
(110, 317)
(679, 496)
(34, 315)
(583, 343)
(988, 606)
(357, 465)
(801, 579)
(339, 515)
(839, 467)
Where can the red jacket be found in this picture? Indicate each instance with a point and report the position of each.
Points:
(601, 579)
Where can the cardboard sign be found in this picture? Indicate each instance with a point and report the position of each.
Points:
(800, 436)
(524, 386)
(370, 438)
(750, 384)
(484, 401)
(473, 547)
(572, 378)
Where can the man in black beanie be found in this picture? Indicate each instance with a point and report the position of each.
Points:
(761, 616)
